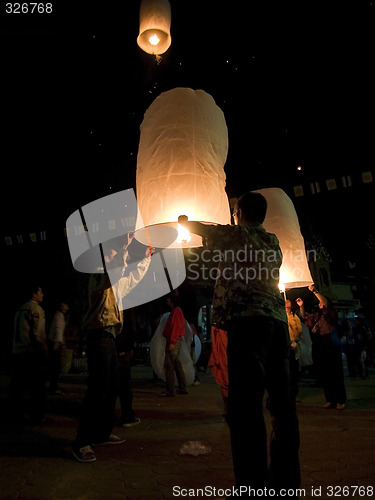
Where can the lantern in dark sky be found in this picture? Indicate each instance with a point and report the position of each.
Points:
(180, 166)
(154, 26)
(282, 220)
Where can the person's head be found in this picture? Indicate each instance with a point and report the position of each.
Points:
(288, 306)
(63, 307)
(36, 292)
(173, 299)
(250, 207)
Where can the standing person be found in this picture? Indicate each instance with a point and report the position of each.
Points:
(174, 332)
(30, 355)
(57, 345)
(323, 324)
(247, 304)
(125, 347)
(295, 332)
(102, 322)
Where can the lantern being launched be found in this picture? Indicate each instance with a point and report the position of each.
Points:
(282, 220)
(154, 29)
(180, 166)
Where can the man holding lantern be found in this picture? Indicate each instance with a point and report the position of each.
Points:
(247, 304)
(102, 322)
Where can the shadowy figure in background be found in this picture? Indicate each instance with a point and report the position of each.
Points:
(324, 326)
(102, 323)
(363, 337)
(248, 305)
(174, 332)
(350, 348)
(56, 344)
(29, 361)
(125, 342)
(295, 332)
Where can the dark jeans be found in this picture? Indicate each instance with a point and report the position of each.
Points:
(331, 368)
(258, 361)
(99, 403)
(28, 386)
(125, 389)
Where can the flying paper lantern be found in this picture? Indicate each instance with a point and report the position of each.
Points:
(180, 166)
(154, 29)
(282, 220)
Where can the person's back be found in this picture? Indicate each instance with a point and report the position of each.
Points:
(248, 273)
(249, 306)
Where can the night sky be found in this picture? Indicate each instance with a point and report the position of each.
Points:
(294, 80)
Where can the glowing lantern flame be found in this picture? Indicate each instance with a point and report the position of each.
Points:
(184, 235)
(154, 40)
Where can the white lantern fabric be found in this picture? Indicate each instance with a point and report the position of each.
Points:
(157, 352)
(180, 165)
(282, 220)
(154, 26)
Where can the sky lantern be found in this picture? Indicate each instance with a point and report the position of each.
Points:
(180, 166)
(282, 220)
(154, 26)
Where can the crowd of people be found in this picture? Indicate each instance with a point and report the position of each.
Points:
(256, 338)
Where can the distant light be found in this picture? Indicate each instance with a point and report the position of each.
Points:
(299, 167)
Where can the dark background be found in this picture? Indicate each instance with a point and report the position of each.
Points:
(294, 80)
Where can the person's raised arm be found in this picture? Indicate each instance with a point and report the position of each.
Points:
(318, 295)
(301, 306)
(192, 226)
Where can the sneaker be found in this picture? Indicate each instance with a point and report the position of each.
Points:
(196, 382)
(167, 395)
(84, 454)
(134, 422)
(340, 406)
(182, 392)
(112, 439)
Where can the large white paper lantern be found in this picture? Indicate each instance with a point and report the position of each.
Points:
(180, 166)
(154, 26)
(282, 220)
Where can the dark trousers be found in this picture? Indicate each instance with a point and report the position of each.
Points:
(125, 389)
(258, 361)
(28, 386)
(294, 372)
(331, 368)
(54, 366)
(99, 403)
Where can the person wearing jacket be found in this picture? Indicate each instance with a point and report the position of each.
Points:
(102, 322)
(30, 355)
